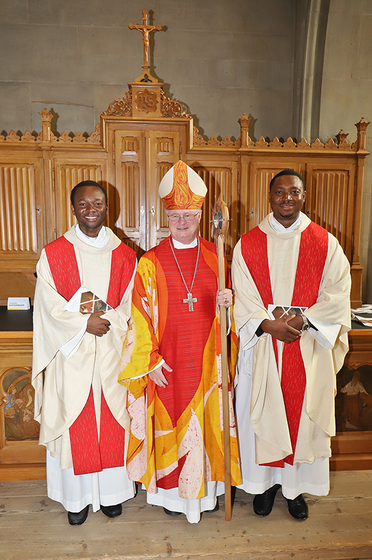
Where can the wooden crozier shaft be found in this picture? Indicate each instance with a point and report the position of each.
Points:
(225, 380)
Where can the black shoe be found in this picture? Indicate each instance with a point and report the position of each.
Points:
(298, 508)
(263, 503)
(112, 511)
(79, 517)
(169, 512)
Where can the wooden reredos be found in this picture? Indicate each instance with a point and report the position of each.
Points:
(139, 137)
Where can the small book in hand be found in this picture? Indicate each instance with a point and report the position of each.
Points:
(90, 303)
(279, 311)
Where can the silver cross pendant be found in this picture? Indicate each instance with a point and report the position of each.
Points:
(190, 300)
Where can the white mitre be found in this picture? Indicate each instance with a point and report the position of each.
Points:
(182, 188)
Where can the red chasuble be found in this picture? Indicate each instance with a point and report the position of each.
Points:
(90, 453)
(310, 265)
(185, 334)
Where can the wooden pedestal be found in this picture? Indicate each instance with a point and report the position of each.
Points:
(352, 446)
(20, 459)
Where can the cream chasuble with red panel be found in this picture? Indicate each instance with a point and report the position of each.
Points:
(310, 265)
(293, 385)
(94, 445)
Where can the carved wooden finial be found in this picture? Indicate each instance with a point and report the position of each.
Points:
(46, 119)
(342, 137)
(145, 30)
(244, 121)
(244, 126)
(45, 115)
(362, 126)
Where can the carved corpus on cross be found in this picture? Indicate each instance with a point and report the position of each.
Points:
(145, 30)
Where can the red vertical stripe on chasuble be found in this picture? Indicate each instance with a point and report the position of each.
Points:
(310, 265)
(111, 438)
(63, 266)
(123, 261)
(254, 251)
(86, 457)
(88, 453)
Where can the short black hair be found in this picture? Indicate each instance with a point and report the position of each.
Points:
(288, 172)
(87, 183)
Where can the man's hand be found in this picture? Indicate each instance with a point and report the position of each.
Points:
(96, 325)
(283, 329)
(225, 297)
(297, 322)
(158, 376)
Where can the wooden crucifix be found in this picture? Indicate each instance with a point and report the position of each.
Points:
(145, 30)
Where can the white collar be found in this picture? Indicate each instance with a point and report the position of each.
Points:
(178, 245)
(279, 228)
(100, 241)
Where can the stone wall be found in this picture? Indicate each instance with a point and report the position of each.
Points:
(222, 58)
(346, 97)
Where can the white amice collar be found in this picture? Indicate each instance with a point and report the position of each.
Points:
(178, 245)
(100, 241)
(279, 228)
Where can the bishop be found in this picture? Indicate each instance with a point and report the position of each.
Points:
(180, 456)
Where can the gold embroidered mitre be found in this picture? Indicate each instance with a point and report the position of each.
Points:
(182, 188)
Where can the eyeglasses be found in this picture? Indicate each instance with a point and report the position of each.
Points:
(187, 217)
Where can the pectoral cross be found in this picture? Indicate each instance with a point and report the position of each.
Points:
(190, 300)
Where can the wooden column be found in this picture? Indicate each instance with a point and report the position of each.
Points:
(356, 268)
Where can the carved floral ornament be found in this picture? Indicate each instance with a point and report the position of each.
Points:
(120, 107)
(171, 108)
(123, 107)
(146, 101)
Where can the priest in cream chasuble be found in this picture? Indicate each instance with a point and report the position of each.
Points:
(76, 359)
(172, 356)
(292, 311)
